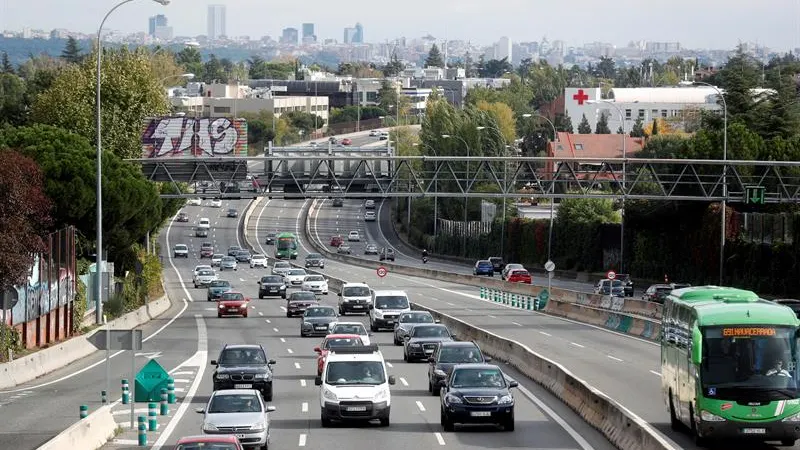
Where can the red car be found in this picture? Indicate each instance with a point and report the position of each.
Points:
(215, 442)
(332, 341)
(519, 276)
(347, 141)
(336, 241)
(232, 303)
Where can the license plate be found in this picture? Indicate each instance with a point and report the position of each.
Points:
(320, 328)
(243, 386)
(754, 430)
(358, 306)
(480, 414)
(428, 351)
(273, 290)
(233, 310)
(356, 408)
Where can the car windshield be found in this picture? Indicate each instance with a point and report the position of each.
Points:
(416, 318)
(303, 296)
(232, 296)
(429, 331)
(514, 266)
(456, 355)
(355, 291)
(477, 378)
(484, 263)
(282, 265)
(391, 302)
(229, 259)
(218, 256)
(222, 404)
(355, 372)
(199, 268)
(231, 356)
(520, 272)
(257, 256)
(207, 446)
(315, 278)
(205, 273)
(320, 312)
(272, 235)
(341, 342)
(313, 256)
(242, 252)
(219, 283)
(181, 247)
(349, 328)
(207, 245)
(272, 280)
(297, 272)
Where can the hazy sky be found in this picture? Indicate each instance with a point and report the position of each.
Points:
(693, 23)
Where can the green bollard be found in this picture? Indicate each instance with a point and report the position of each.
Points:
(152, 416)
(142, 432)
(126, 393)
(171, 391)
(164, 406)
(483, 292)
(103, 397)
(536, 304)
(528, 303)
(84, 411)
(514, 301)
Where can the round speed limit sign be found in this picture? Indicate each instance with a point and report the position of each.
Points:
(382, 271)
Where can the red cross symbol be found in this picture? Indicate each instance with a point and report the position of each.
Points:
(580, 97)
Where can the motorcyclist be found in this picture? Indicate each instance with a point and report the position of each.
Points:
(424, 254)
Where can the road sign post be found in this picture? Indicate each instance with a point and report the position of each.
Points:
(755, 195)
(549, 266)
(130, 340)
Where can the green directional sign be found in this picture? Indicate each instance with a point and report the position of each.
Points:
(754, 195)
(149, 382)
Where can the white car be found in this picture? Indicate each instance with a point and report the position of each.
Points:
(316, 284)
(281, 268)
(374, 133)
(216, 259)
(204, 223)
(353, 236)
(204, 278)
(216, 203)
(200, 268)
(295, 277)
(258, 260)
(369, 216)
(180, 251)
(193, 202)
(241, 409)
(352, 328)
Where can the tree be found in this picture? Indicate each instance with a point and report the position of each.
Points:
(434, 58)
(303, 121)
(563, 123)
(503, 117)
(13, 100)
(213, 71)
(654, 129)
(393, 67)
(638, 128)
(602, 125)
(583, 127)
(130, 93)
(586, 210)
(496, 68)
(190, 59)
(5, 64)
(72, 51)
(24, 216)
(469, 66)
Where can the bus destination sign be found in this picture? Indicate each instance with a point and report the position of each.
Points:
(748, 332)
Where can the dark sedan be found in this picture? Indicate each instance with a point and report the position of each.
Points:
(422, 340)
(477, 394)
(232, 213)
(483, 267)
(298, 302)
(270, 239)
(315, 260)
(243, 256)
(317, 320)
(271, 286)
(233, 249)
(447, 356)
(182, 217)
(218, 287)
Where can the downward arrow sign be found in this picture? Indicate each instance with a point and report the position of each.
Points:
(150, 355)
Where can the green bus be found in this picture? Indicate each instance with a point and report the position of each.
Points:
(286, 246)
(729, 365)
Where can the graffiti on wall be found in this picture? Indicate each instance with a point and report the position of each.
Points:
(167, 137)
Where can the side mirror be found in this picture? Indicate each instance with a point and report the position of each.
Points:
(371, 306)
(453, 335)
(317, 381)
(392, 380)
(271, 409)
(488, 359)
(271, 362)
(340, 294)
(437, 321)
(697, 347)
(213, 362)
(317, 350)
(513, 384)
(200, 410)
(369, 333)
(258, 282)
(431, 360)
(406, 338)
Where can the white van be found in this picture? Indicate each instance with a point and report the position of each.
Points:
(354, 386)
(204, 223)
(354, 298)
(386, 308)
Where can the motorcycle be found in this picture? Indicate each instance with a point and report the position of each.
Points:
(424, 260)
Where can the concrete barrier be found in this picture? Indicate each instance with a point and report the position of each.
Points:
(90, 433)
(50, 359)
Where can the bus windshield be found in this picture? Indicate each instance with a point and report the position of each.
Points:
(754, 361)
(287, 243)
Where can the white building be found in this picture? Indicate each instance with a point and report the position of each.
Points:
(503, 49)
(632, 103)
(216, 22)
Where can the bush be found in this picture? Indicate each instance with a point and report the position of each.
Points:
(13, 341)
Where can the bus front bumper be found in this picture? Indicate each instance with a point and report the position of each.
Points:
(770, 431)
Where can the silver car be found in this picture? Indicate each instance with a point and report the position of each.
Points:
(241, 412)
(228, 262)
(406, 322)
(281, 268)
(216, 259)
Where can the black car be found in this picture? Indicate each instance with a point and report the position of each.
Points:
(270, 239)
(317, 320)
(233, 213)
(244, 367)
(386, 254)
(299, 302)
(182, 217)
(497, 263)
(423, 339)
(271, 286)
(477, 393)
(315, 260)
(446, 356)
(627, 283)
(233, 249)
(338, 202)
(243, 256)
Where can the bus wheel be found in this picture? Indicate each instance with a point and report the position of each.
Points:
(788, 442)
(699, 441)
(674, 423)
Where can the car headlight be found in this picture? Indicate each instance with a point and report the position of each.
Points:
(262, 376)
(222, 376)
(209, 427)
(382, 394)
(453, 399)
(415, 346)
(505, 400)
(328, 394)
(282, 287)
(709, 417)
(792, 418)
(378, 313)
(261, 426)
(306, 324)
(221, 306)
(347, 300)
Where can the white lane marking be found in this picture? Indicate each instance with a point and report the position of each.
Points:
(389, 365)
(296, 365)
(127, 411)
(289, 351)
(493, 317)
(125, 441)
(439, 438)
(241, 279)
(576, 344)
(302, 441)
(614, 358)
(655, 373)
(304, 407)
(583, 443)
(202, 356)
(283, 308)
(450, 304)
(546, 334)
(303, 383)
(517, 324)
(403, 380)
(260, 313)
(283, 340)
(181, 380)
(268, 321)
(420, 406)
(275, 329)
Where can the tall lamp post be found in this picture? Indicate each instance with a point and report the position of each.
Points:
(624, 180)
(98, 285)
(505, 176)
(466, 198)
(724, 210)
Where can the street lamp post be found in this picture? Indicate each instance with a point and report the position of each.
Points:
(466, 198)
(505, 186)
(99, 194)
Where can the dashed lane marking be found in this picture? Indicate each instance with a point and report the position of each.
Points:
(614, 358)
(301, 442)
(420, 406)
(296, 365)
(577, 345)
(439, 438)
(289, 351)
(304, 407)
(303, 383)
(403, 380)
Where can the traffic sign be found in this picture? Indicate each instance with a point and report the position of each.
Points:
(754, 195)
(611, 275)
(117, 340)
(549, 266)
(149, 382)
(382, 271)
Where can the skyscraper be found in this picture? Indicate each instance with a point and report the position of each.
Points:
(156, 21)
(349, 35)
(289, 36)
(216, 22)
(308, 32)
(359, 37)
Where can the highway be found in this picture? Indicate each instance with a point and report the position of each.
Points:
(623, 367)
